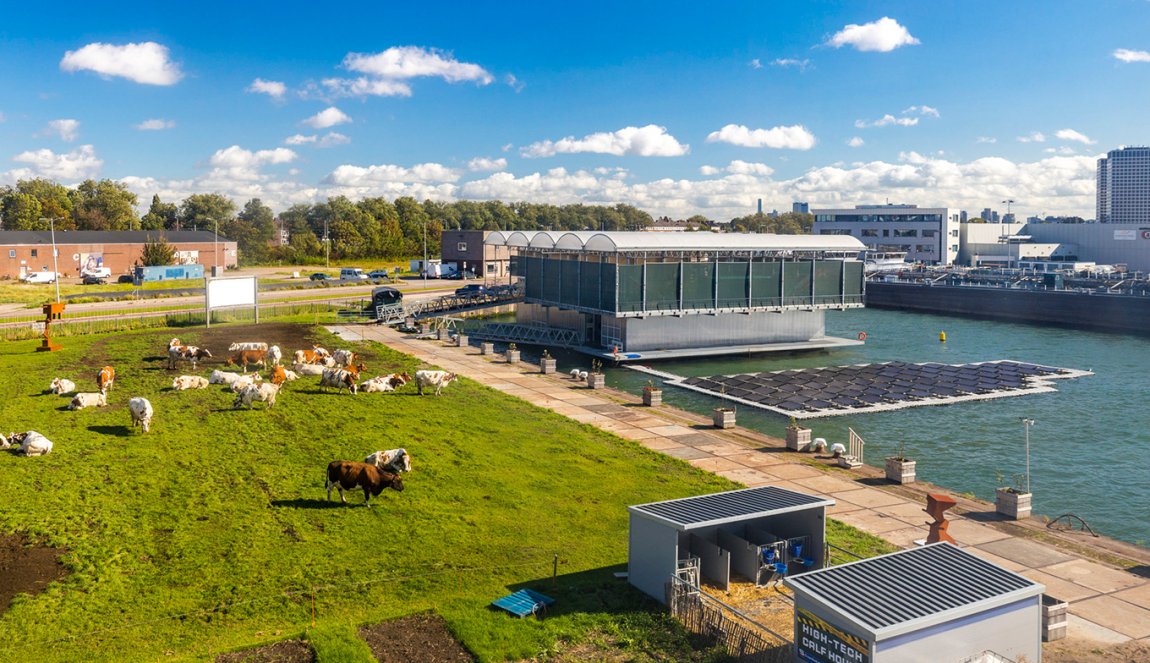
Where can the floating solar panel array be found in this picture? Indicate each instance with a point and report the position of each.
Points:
(821, 392)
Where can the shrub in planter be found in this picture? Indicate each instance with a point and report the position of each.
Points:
(798, 437)
(652, 395)
(723, 417)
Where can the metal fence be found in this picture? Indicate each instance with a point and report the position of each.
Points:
(742, 638)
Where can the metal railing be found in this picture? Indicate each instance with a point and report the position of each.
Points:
(742, 637)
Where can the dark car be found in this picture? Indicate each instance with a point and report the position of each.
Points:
(377, 274)
(92, 279)
(318, 276)
(124, 278)
(470, 290)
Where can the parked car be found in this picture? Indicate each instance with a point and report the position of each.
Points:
(99, 272)
(40, 277)
(470, 290)
(124, 278)
(378, 274)
(318, 276)
(352, 274)
(92, 279)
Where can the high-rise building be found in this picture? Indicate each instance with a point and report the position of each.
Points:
(801, 208)
(986, 214)
(1124, 186)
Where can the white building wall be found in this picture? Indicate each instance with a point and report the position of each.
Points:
(653, 551)
(1013, 631)
(693, 331)
(932, 242)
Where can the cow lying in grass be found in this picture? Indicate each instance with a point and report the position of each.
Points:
(30, 443)
(185, 382)
(349, 475)
(392, 460)
(62, 386)
(88, 399)
(384, 383)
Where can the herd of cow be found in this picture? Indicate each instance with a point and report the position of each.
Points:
(340, 370)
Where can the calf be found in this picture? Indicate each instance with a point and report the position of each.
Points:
(279, 375)
(141, 411)
(31, 443)
(185, 382)
(338, 378)
(245, 358)
(392, 460)
(307, 357)
(348, 475)
(275, 355)
(437, 379)
(251, 345)
(105, 379)
(265, 392)
(88, 399)
(62, 386)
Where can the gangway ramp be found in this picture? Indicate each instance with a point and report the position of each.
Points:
(497, 296)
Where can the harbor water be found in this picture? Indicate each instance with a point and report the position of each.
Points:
(1087, 446)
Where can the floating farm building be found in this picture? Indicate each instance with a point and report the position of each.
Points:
(648, 295)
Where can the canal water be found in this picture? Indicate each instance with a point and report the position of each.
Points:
(1088, 446)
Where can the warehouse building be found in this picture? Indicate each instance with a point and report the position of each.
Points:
(24, 251)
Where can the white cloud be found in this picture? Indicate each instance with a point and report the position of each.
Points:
(883, 35)
(145, 63)
(236, 164)
(155, 125)
(1127, 55)
(274, 89)
(369, 176)
(328, 117)
(649, 141)
(366, 87)
(709, 170)
(738, 167)
(1032, 137)
(67, 130)
(756, 64)
(330, 139)
(1072, 135)
(1064, 149)
(514, 83)
(484, 164)
(794, 137)
(986, 139)
(925, 111)
(386, 73)
(856, 142)
(81, 163)
(300, 139)
(801, 65)
(887, 120)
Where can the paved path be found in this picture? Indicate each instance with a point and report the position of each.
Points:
(1107, 604)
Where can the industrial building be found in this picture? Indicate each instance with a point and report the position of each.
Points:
(925, 234)
(639, 295)
(1034, 245)
(23, 251)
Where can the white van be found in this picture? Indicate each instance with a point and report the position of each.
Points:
(352, 274)
(40, 277)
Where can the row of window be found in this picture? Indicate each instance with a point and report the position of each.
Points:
(880, 218)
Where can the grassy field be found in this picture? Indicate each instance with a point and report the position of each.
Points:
(212, 532)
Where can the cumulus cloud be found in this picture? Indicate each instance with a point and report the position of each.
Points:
(145, 63)
(1072, 135)
(484, 164)
(649, 141)
(236, 164)
(368, 176)
(1127, 55)
(986, 139)
(1032, 137)
(801, 65)
(328, 117)
(855, 142)
(887, 120)
(386, 73)
(155, 125)
(330, 139)
(883, 36)
(1064, 149)
(795, 137)
(81, 163)
(67, 130)
(274, 89)
(709, 170)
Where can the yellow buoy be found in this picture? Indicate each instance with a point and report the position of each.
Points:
(942, 337)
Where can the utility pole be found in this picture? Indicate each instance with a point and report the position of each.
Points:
(1008, 204)
(55, 270)
(326, 247)
(425, 253)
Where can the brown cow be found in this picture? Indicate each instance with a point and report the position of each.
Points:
(348, 475)
(105, 379)
(279, 375)
(245, 358)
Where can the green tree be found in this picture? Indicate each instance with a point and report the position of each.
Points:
(160, 216)
(21, 211)
(206, 211)
(104, 205)
(157, 252)
(253, 229)
(54, 201)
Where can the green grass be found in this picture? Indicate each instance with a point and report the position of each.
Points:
(212, 531)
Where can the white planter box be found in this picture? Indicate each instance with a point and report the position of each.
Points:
(486, 348)
(652, 397)
(461, 340)
(900, 471)
(1015, 506)
(596, 380)
(547, 366)
(1053, 618)
(798, 439)
(512, 356)
(723, 417)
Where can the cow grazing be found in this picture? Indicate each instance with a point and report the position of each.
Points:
(245, 358)
(265, 392)
(185, 382)
(62, 386)
(30, 443)
(339, 378)
(307, 357)
(275, 355)
(321, 352)
(384, 383)
(188, 353)
(308, 369)
(88, 399)
(141, 411)
(223, 377)
(392, 460)
(437, 379)
(344, 357)
(105, 379)
(251, 345)
(244, 381)
(349, 475)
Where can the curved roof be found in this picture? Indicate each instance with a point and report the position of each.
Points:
(616, 242)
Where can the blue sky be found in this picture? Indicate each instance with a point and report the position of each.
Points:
(677, 108)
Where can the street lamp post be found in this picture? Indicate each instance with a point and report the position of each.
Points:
(1027, 423)
(425, 254)
(326, 247)
(1008, 204)
(55, 269)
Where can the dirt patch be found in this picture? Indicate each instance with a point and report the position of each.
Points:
(772, 607)
(26, 568)
(1073, 650)
(417, 639)
(288, 651)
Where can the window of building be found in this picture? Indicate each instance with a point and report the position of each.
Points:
(490, 268)
(954, 247)
(34, 252)
(924, 248)
(910, 232)
(954, 233)
(870, 232)
(461, 247)
(11, 253)
(929, 232)
(886, 232)
(834, 231)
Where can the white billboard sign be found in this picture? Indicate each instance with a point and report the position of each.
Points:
(223, 293)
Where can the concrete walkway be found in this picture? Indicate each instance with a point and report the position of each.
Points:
(1107, 604)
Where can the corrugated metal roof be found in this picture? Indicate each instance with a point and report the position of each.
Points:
(706, 510)
(615, 242)
(42, 237)
(912, 589)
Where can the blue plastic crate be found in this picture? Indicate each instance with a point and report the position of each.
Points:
(523, 602)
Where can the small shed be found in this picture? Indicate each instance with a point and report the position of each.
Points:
(932, 604)
(723, 532)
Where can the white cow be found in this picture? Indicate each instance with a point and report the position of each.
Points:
(185, 382)
(236, 347)
(290, 375)
(392, 460)
(141, 411)
(245, 381)
(62, 386)
(275, 355)
(265, 392)
(88, 399)
(31, 443)
(223, 377)
(437, 379)
(308, 369)
(344, 357)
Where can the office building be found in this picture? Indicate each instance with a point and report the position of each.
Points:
(925, 234)
(1124, 186)
(801, 208)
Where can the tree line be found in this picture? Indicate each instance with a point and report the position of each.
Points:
(368, 228)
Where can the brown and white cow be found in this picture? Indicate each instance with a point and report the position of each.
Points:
(188, 353)
(349, 475)
(245, 358)
(105, 379)
(339, 378)
(385, 383)
(437, 379)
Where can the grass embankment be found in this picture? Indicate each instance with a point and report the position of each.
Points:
(212, 532)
